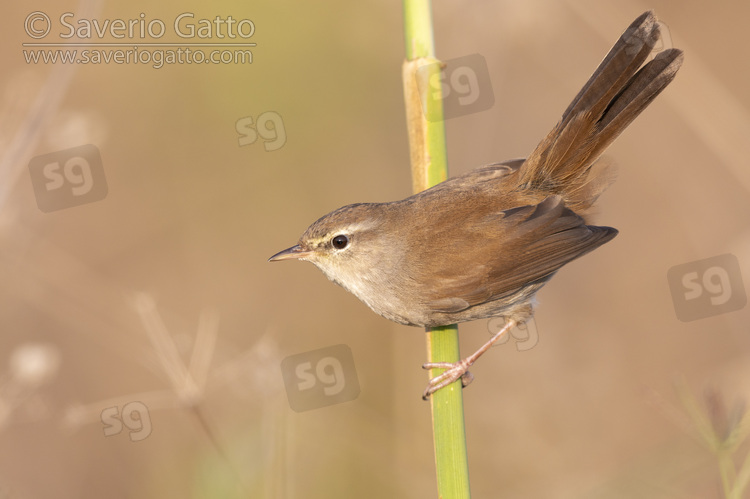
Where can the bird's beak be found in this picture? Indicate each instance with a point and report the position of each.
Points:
(296, 252)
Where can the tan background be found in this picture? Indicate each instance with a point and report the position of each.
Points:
(191, 218)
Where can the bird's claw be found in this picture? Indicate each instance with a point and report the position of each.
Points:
(453, 371)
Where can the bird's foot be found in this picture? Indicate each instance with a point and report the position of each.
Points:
(453, 371)
(460, 369)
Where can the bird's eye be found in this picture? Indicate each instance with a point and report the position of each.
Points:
(340, 241)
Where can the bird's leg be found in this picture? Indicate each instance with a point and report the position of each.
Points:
(460, 369)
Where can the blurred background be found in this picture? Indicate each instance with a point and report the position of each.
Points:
(144, 335)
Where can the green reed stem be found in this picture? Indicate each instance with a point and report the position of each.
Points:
(429, 167)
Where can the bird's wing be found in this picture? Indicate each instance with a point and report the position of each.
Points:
(519, 246)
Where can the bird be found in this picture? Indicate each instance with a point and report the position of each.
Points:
(481, 245)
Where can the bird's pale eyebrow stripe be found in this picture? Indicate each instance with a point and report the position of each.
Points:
(358, 226)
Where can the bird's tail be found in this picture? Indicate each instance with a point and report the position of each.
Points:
(564, 161)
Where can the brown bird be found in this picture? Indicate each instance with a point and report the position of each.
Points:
(482, 244)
